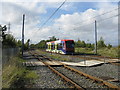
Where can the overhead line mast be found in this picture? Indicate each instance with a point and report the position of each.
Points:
(95, 37)
(23, 34)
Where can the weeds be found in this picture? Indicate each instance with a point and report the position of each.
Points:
(15, 75)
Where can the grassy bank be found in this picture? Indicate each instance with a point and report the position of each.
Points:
(15, 75)
(54, 56)
(112, 52)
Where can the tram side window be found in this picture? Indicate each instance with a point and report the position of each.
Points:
(60, 46)
(52, 47)
(47, 46)
(57, 46)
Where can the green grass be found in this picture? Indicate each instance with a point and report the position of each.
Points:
(30, 75)
(60, 57)
(53, 55)
(84, 50)
(112, 52)
(14, 71)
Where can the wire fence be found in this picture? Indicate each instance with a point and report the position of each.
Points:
(7, 53)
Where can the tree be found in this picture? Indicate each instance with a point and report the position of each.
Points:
(32, 46)
(80, 44)
(41, 44)
(109, 46)
(19, 43)
(88, 45)
(26, 45)
(9, 41)
(83, 44)
(53, 38)
(101, 43)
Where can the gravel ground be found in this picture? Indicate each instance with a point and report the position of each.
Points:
(105, 70)
(47, 79)
(81, 80)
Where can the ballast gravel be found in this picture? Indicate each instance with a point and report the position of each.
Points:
(47, 79)
(81, 80)
(103, 71)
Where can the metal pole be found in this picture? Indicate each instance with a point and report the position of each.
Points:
(9, 28)
(23, 34)
(95, 37)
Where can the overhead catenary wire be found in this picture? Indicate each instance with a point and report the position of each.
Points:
(101, 14)
(92, 17)
(53, 14)
(50, 16)
(97, 21)
(82, 21)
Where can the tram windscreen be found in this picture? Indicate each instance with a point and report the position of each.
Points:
(70, 44)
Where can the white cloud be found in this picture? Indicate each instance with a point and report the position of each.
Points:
(67, 26)
(81, 25)
(12, 12)
(61, 0)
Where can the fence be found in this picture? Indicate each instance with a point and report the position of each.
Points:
(7, 53)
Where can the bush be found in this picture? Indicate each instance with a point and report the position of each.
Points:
(109, 46)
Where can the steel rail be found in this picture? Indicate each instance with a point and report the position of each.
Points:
(95, 79)
(90, 58)
(66, 78)
(96, 58)
(59, 74)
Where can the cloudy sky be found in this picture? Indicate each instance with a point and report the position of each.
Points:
(74, 20)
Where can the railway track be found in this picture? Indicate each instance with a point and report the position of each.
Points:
(87, 78)
(110, 60)
(58, 73)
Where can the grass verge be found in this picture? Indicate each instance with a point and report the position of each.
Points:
(112, 52)
(14, 75)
